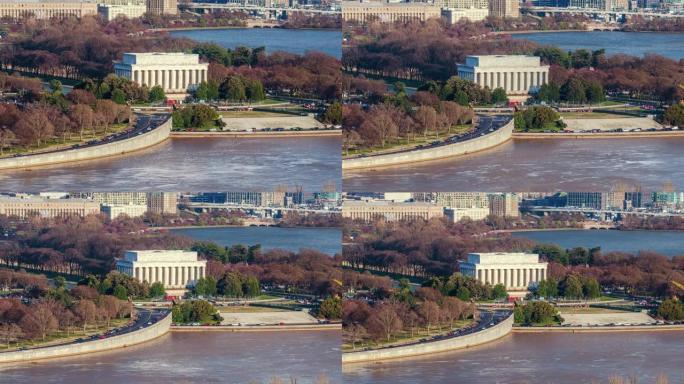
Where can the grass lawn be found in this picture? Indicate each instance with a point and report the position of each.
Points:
(58, 143)
(62, 337)
(405, 336)
(404, 143)
(266, 297)
(249, 309)
(590, 310)
(552, 127)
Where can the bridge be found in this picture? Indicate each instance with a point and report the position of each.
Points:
(252, 209)
(604, 213)
(259, 8)
(598, 12)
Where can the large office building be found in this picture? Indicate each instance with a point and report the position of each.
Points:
(516, 74)
(130, 210)
(504, 205)
(364, 12)
(504, 9)
(114, 198)
(162, 7)
(18, 9)
(454, 215)
(594, 200)
(175, 269)
(454, 15)
(162, 203)
(130, 10)
(256, 199)
(516, 271)
(29, 206)
(389, 210)
(176, 72)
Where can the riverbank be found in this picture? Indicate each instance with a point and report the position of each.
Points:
(478, 144)
(302, 133)
(140, 141)
(144, 334)
(484, 336)
(602, 329)
(597, 135)
(258, 328)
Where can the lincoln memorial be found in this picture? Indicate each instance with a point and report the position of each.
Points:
(175, 269)
(516, 74)
(175, 72)
(516, 271)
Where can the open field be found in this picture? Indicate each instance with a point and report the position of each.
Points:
(268, 121)
(605, 317)
(606, 123)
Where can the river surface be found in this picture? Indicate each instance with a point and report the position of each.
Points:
(537, 165)
(669, 243)
(630, 43)
(289, 40)
(327, 240)
(197, 357)
(539, 359)
(195, 164)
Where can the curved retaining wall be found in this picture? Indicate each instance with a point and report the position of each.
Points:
(120, 147)
(481, 143)
(490, 334)
(158, 329)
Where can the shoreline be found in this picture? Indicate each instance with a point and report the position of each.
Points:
(603, 329)
(229, 134)
(258, 328)
(597, 135)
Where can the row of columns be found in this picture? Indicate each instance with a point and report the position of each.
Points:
(177, 276)
(511, 277)
(512, 81)
(170, 79)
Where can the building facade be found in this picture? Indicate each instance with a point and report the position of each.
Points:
(454, 15)
(516, 74)
(504, 9)
(109, 12)
(24, 207)
(174, 268)
(162, 203)
(516, 271)
(390, 211)
(46, 9)
(504, 205)
(454, 215)
(114, 211)
(162, 7)
(388, 12)
(176, 72)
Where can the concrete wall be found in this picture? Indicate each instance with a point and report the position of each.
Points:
(120, 147)
(136, 337)
(481, 143)
(490, 334)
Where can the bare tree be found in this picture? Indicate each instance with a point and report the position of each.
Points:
(86, 312)
(10, 332)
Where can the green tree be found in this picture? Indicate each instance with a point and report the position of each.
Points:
(331, 308)
(674, 115)
(157, 289)
(591, 288)
(230, 285)
(254, 90)
(157, 94)
(120, 292)
(251, 287)
(574, 91)
(499, 292)
(56, 87)
(499, 96)
(671, 310)
(118, 96)
(333, 114)
(572, 288)
(549, 93)
(595, 93)
(233, 89)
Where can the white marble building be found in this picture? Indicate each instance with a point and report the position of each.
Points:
(175, 269)
(517, 74)
(516, 271)
(175, 72)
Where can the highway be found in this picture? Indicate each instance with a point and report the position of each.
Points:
(486, 124)
(143, 124)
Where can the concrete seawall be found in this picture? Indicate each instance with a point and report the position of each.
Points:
(269, 134)
(481, 143)
(602, 329)
(598, 135)
(151, 332)
(120, 147)
(485, 336)
(259, 328)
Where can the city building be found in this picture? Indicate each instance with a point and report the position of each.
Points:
(389, 210)
(46, 9)
(162, 203)
(256, 199)
(461, 199)
(175, 269)
(176, 72)
(516, 74)
(593, 200)
(162, 7)
(29, 206)
(130, 210)
(462, 4)
(454, 15)
(454, 215)
(364, 12)
(504, 205)
(398, 196)
(504, 9)
(114, 198)
(130, 10)
(516, 271)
